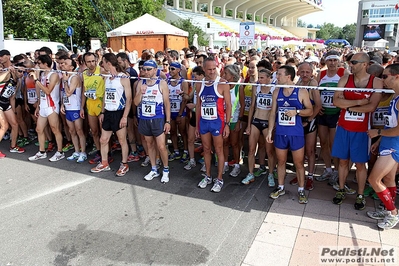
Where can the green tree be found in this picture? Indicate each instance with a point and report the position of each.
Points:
(301, 23)
(328, 31)
(187, 25)
(42, 19)
(349, 32)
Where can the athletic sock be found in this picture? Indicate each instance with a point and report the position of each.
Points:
(386, 198)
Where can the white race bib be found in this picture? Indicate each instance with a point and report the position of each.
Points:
(65, 99)
(42, 96)
(148, 109)
(264, 101)
(285, 120)
(354, 116)
(379, 116)
(209, 111)
(327, 99)
(247, 103)
(91, 94)
(32, 97)
(175, 105)
(110, 96)
(390, 121)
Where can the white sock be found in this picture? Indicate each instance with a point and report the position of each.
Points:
(300, 189)
(281, 187)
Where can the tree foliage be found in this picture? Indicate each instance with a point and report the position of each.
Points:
(330, 31)
(42, 19)
(187, 25)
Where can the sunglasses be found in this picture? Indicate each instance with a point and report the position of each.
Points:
(385, 76)
(172, 68)
(355, 62)
(20, 71)
(166, 64)
(147, 69)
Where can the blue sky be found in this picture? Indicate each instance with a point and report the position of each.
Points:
(338, 12)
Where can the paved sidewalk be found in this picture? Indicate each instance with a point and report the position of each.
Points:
(292, 233)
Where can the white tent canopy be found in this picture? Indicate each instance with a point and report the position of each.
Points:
(146, 25)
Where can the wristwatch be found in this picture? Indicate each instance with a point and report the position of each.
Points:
(297, 111)
(227, 123)
(167, 122)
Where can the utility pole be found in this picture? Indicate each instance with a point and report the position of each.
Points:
(1, 26)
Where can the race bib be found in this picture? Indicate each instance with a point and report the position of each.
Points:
(42, 96)
(110, 96)
(285, 120)
(91, 94)
(148, 109)
(175, 105)
(65, 99)
(247, 103)
(390, 121)
(327, 99)
(354, 116)
(8, 91)
(32, 97)
(209, 111)
(264, 101)
(379, 116)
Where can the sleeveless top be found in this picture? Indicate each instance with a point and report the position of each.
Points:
(115, 98)
(30, 90)
(285, 125)
(263, 100)
(49, 100)
(235, 103)
(72, 103)
(378, 116)
(174, 96)
(212, 103)
(247, 97)
(152, 102)
(7, 89)
(327, 95)
(94, 85)
(391, 120)
(354, 121)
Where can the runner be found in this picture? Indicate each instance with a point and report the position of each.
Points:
(113, 116)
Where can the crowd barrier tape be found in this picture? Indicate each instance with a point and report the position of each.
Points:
(228, 83)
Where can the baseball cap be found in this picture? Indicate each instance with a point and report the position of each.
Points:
(4, 52)
(176, 65)
(150, 63)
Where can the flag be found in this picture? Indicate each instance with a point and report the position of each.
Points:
(396, 6)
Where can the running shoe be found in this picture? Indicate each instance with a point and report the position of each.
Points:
(174, 156)
(100, 168)
(248, 179)
(158, 162)
(165, 177)
(93, 150)
(277, 192)
(23, 142)
(225, 169)
(333, 178)
(270, 180)
(302, 199)
(151, 175)
(199, 149)
(184, 157)
(38, 156)
(82, 157)
(142, 154)
(389, 222)
(2, 155)
(96, 159)
(133, 157)
(201, 160)
(69, 146)
(377, 215)
(294, 181)
(190, 165)
(232, 163)
(360, 202)
(348, 190)
(324, 176)
(123, 169)
(217, 186)
(205, 181)
(146, 162)
(57, 156)
(203, 168)
(50, 147)
(45, 144)
(260, 171)
(309, 184)
(74, 156)
(236, 171)
(339, 197)
(115, 147)
(17, 149)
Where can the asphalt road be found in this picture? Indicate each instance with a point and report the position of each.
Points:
(58, 213)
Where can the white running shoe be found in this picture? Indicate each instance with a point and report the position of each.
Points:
(57, 156)
(82, 157)
(217, 186)
(151, 175)
(190, 165)
(236, 171)
(74, 156)
(205, 181)
(225, 169)
(38, 156)
(165, 177)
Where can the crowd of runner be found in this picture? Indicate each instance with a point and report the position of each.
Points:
(260, 103)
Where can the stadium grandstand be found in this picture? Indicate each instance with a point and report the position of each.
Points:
(275, 20)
